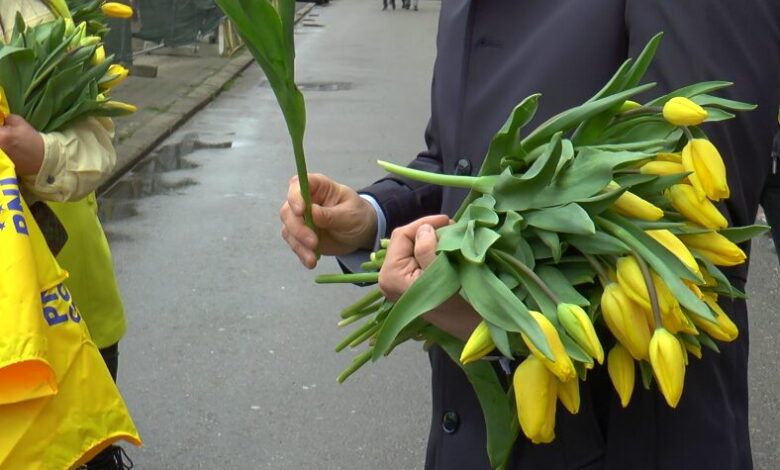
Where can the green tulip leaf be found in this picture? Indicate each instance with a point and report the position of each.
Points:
(500, 339)
(438, 282)
(569, 218)
(745, 233)
(477, 241)
(691, 91)
(498, 305)
(451, 236)
(560, 284)
(552, 241)
(600, 243)
(722, 103)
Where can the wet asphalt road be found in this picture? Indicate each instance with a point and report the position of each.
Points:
(228, 362)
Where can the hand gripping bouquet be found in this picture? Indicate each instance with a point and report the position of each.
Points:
(57, 72)
(597, 227)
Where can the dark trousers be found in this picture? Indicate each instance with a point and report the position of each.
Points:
(384, 4)
(111, 358)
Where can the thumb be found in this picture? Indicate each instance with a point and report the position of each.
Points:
(425, 245)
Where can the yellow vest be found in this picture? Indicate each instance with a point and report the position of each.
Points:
(86, 255)
(59, 406)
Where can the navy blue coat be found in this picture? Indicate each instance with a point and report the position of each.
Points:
(493, 53)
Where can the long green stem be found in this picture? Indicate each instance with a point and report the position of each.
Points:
(603, 277)
(519, 265)
(362, 303)
(303, 181)
(357, 363)
(352, 278)
(641, 111)
(483, 184)
(688, 133)
(650, 289)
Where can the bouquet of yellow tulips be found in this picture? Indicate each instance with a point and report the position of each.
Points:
(55, 73)
(599, 227)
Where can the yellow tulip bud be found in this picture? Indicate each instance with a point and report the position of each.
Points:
(723, 329)
(669, 157)
(118, 105)
(626, 320)
(676, 321)
(536, 398)
(117, 10)
(5, 109)
(709, 281)
(715, 248)
(683, 198)
(89, 40)
(676, 247)
(628, 105)
(578, 325)
(561, 366)
(693, 349)
(70, 26)
(703, 159)
(631, 205)
(681, 111)
(569, 395)
(116, 74)
(100, 55)
(634, 285)
(479, 344)
(620, 366)
(668, 362)
(661, 168)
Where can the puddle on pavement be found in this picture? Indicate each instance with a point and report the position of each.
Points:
(152, 176)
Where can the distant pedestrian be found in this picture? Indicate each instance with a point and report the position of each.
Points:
(407, 3)
(392, 2)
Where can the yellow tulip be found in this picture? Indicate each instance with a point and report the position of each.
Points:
(631, 205)
(536, 398)
(569, 395)
(709, 281)
(676, 321)
(661, 168)
(561, 366)
(626, 320)
(683, 198)
(478, 344)
(634, 285)
(100, 55)
(681, 111)
(620, 366)
(676, 247)
(703, 159)
(117, 10)
(5, 109)
(119, 105)
(669, 157)
(723, 329)
(715, 248)
(694, 349)
(628, 105)
(115, 75)
(578, 325)
(668, 362)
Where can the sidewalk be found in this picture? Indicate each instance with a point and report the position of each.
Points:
(186, 81)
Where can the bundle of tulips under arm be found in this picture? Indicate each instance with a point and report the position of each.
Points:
(604, 215)
(57, 72)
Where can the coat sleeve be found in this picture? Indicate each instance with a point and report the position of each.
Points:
(76, 160)
(403, 200)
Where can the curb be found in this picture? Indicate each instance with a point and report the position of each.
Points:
(160, 127)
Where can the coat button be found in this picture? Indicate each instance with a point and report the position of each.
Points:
(450, 422)
(463, 167)
(50, 179)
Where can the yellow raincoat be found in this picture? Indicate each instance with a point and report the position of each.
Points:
(58, 404)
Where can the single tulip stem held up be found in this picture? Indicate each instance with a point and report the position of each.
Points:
(482, 184)
(519, 265)
(654, 304)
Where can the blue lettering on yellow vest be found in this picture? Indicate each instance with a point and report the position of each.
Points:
(50, 312)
